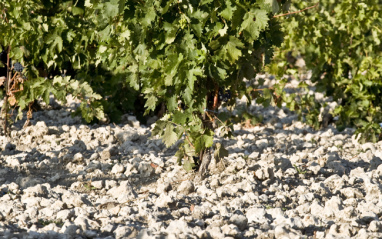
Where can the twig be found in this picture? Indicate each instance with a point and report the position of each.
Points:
(290, 13)
(219, 120)
(209, 116)
(216, 97)
(270, 88)
(188, 140)
(7, 82)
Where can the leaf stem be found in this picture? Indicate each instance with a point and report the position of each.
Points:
(269, 88)
(290, 13)
(189, 140)
(7, 82)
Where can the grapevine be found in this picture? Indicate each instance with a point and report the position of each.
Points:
(190, 56)
(341, 45)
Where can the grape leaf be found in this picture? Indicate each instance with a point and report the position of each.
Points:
(189, 164)
(172, 63)
(150, 15)
(203, 141)
(274, 4)
(58, 43)
(230, 51)
(180, 117)
(170, 32)
(254, 22)
(169, 136)
(172, 103)
(220, 152)
(228, 12)
(111, 8)
(151, 102)
(180, 155)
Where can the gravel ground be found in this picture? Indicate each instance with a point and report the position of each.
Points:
(60, 178)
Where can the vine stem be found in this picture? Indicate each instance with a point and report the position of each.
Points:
(7, 82)
(290, 13)
(189, 140)
(269, 88)
(216, 97)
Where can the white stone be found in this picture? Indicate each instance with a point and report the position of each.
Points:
(118, 168)
(65, 214)
(123, 193)
(186, 187)
(332, 207)
(178, 227)
(257, 214)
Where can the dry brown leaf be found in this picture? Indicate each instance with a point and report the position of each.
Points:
(29, 114)
(248, 124)
(2, 79)
(12, 100)
(192, 207)
(153, 165)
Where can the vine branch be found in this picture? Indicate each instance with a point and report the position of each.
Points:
(267, 88)
(188, 140)
(290, 13)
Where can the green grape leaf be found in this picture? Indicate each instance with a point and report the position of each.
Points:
(149, 17)
(112, 8)
(228, 12)
(77, 11)
(172, 103)
(274, 5)
(169, 136)
(180, 155)
(168, 4)
(188, 164)
(255, 21)
(203, 141)
(180, 117)
(170, 30)
(160, 125)
(231, 51)
(220, 152)
(204, 2)
(58, 43)
(151, 102)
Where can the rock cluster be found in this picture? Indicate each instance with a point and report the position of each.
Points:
(63, 179)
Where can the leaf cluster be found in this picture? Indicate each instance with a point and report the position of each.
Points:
(49, 38)
(176, 53)
(341, 45)
(180, 53)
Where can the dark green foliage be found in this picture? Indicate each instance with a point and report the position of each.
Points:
(116, 55)
(341, 43)
(36, 33)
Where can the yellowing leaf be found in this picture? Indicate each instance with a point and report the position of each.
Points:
(126, 34)
(2, 79)
(223, 31)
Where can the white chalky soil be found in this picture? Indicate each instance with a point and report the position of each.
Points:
(63, 179)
